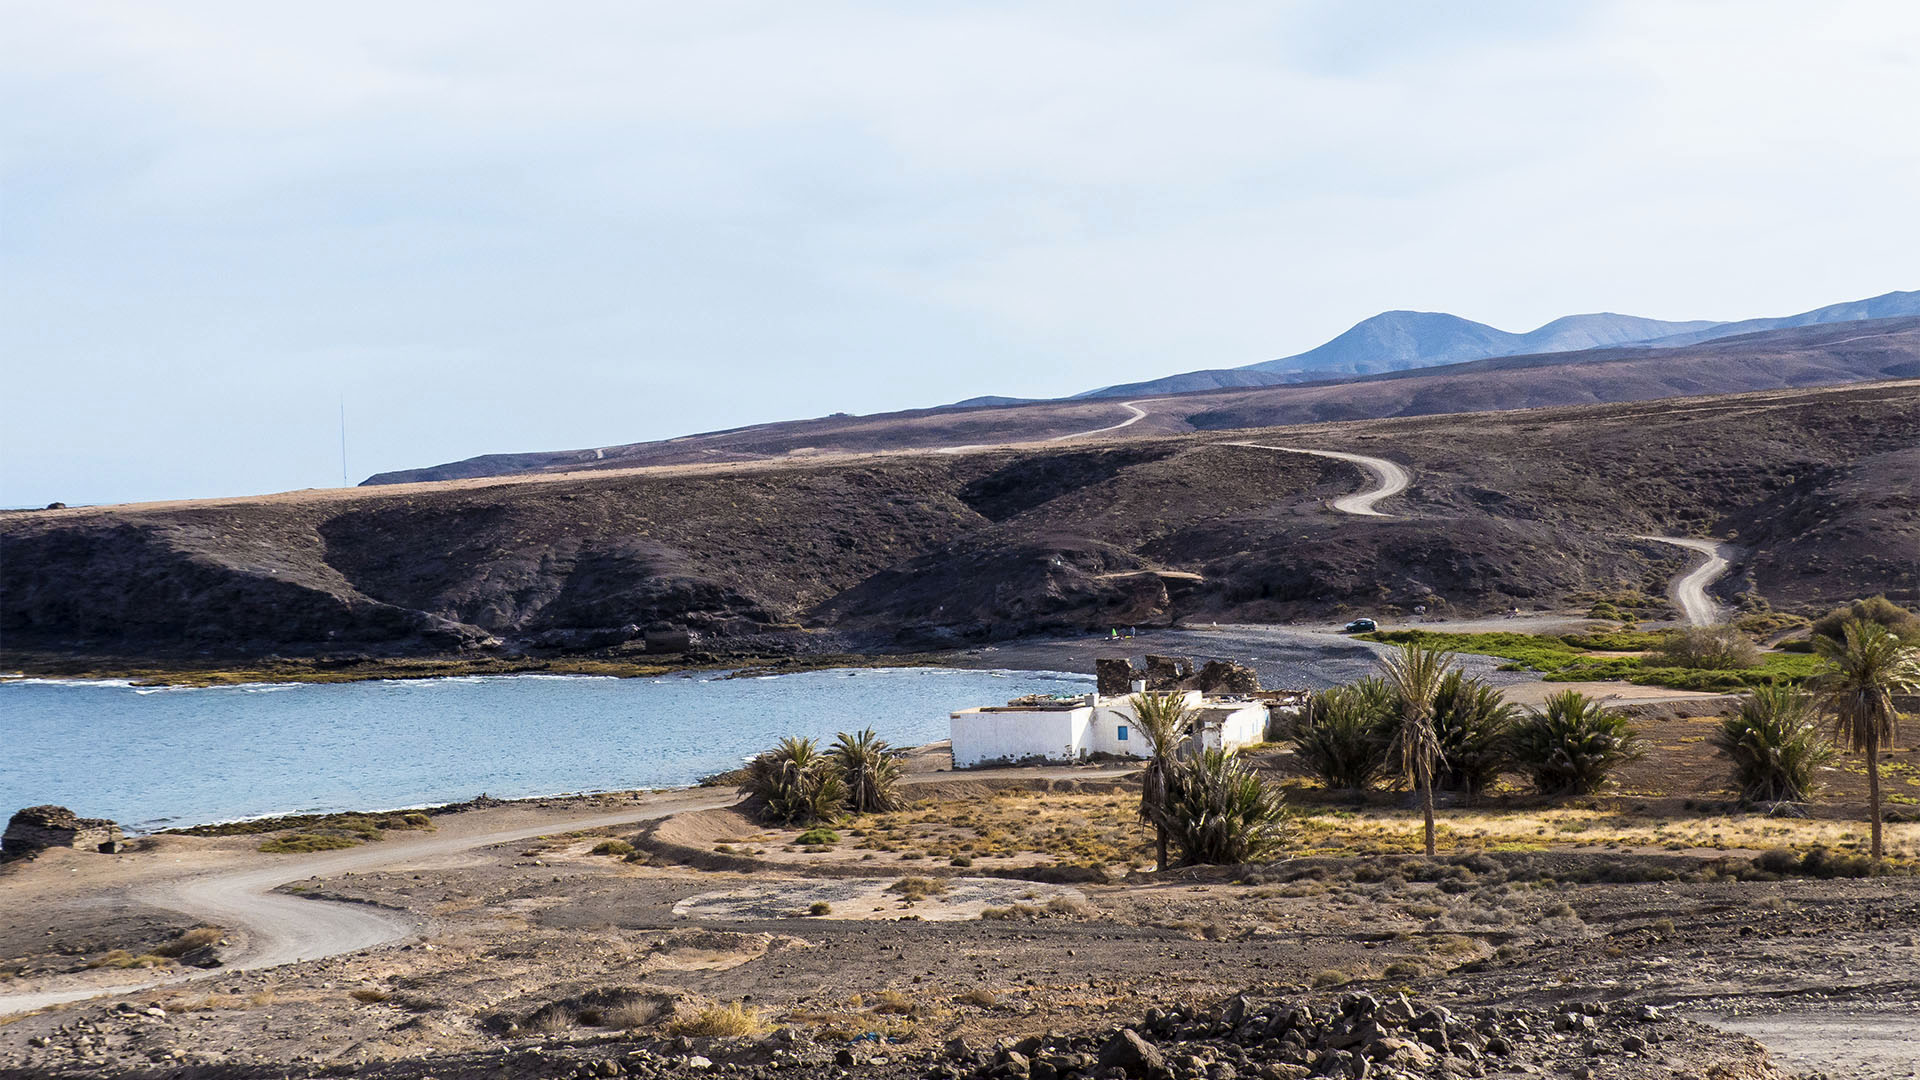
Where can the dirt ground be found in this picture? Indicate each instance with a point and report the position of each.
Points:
(993, 909)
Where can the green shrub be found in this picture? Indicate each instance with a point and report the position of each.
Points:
(1220, 812)
(794, 783)
(612, 847)
(819, 908)
(1714, 648)
(818, 836)
(1474, 724)
(1776, 745)
(1571, 745)
(1344, 732)
(1878, 609)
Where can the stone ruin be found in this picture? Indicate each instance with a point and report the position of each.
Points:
(1115, 676)
(38, 828)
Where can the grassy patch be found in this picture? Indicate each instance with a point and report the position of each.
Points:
(612, 847)
(1580, 658)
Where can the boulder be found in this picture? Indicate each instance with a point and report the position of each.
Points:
(1166, 673)
(1135, 1055)
(37, 828)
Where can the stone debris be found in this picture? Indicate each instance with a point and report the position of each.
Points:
(38, 828)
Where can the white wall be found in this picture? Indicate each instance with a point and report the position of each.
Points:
(996, 735)
(1231, 730)
(1113, 714)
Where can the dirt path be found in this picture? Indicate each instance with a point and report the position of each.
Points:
(1689, 590)
(1852, 1046)
(1391, 478)
(1133, 407)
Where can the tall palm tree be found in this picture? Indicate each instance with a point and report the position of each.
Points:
(1863, 670)
(1415, 673)
(1164, 721)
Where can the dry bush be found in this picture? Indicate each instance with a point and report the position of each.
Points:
(732, 1019)
(1712, 648)
(612, 847)
(369, 996)
(894, 1003)
(198, 937)
(637, 1014)
(915, 889)
(978, 995)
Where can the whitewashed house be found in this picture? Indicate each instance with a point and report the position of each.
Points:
(1074, 729)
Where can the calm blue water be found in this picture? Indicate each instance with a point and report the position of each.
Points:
(151, 758)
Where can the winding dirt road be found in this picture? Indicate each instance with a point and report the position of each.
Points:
(1390, 478)
(1689, 590)
(285, 929)
(1133, 407)
(280, 928)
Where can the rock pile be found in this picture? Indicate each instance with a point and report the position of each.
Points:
(1222, 678)
(37, 828)
(1356, 1037)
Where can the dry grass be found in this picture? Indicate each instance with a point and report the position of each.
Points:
(367, 995)
(1027, 827)
(732, 1019)
(1381, 831)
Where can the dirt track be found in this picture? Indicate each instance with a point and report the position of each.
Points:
(1390, 478)
(1689, 590)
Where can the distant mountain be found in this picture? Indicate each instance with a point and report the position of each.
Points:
(1891, 305)
(1402, 340)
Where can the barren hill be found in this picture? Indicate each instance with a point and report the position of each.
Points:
(1802, 356)
(1511, 508)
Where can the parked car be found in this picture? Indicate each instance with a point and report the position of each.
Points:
(1360, 626)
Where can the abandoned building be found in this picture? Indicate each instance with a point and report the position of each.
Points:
(37, 828)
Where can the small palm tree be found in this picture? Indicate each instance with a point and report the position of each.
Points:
(795, 783)
(1344, 731)
(1474, 723)
(868, 769)
(1776, 745)
(1164, 721)
(1862, 672)
(1220, 812)
(1415, 674)
(1573, 743)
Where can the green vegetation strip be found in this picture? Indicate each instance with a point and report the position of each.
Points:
(1571, 658)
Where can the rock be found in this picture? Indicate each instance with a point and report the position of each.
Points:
(202, 957)
(1399, 1052)
(959, 1049)
(844, 1058)
(698, 1062)
(1633, 1044)
(1649, 1014)
(1131, 1053)
(1499, 1046)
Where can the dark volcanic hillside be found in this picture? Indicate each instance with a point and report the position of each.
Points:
(1520, 508)
(1804, 356)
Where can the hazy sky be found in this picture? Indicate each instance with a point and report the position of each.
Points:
(504, 227)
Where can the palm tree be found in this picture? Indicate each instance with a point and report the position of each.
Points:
(1572, 743)
(1415, 674)
(1221, 812)
(795, 783)
(1863, 670)
(868, 769)
(1164, 721)
(1775, 743)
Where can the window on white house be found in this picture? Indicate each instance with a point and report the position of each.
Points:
(1123, 733)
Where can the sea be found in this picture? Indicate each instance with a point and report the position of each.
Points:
(164, 757)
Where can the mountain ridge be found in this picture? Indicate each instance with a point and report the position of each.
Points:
(1401, 339)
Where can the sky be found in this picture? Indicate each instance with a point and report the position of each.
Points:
(498, 227)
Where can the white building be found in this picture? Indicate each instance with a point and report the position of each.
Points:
(1074, 729)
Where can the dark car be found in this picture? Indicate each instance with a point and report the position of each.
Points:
(1359, 626)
